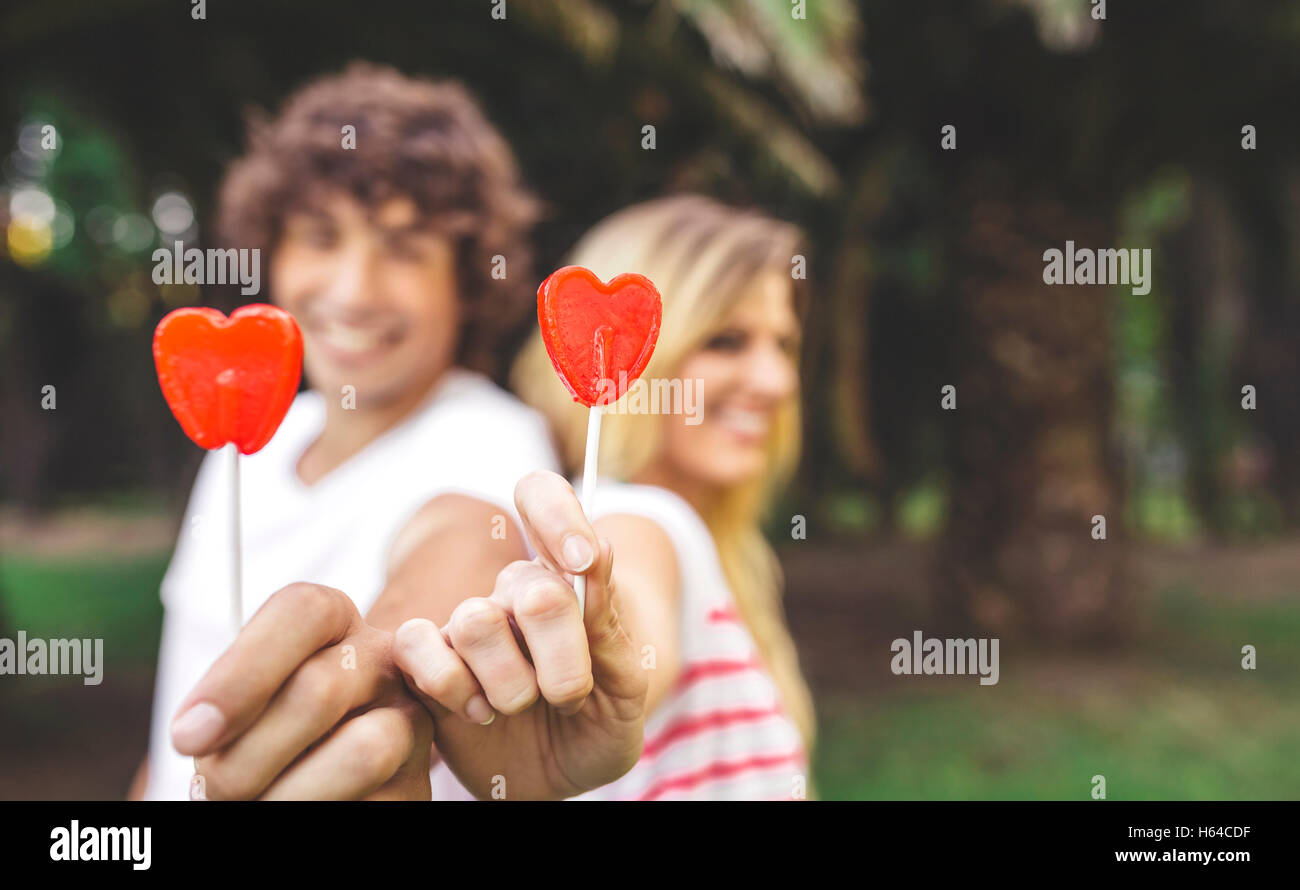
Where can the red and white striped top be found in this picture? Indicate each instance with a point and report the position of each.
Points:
(721, 733)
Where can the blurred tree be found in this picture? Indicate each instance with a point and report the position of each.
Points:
(1031, 432)
(1199, 343)
(1268, 211)
(926, 263)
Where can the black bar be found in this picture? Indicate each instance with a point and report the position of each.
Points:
(495, 838)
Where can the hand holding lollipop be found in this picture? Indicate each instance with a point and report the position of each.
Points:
(600, 338)
(229, 382)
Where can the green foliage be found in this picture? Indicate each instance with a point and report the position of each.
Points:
(853, 512)
(113, 599)
(923, 509)
(1163, 514)
(1252, 514)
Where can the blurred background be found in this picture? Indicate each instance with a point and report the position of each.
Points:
(1119, 657)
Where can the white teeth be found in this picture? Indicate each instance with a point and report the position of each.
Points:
(349, 339)
(750, 423)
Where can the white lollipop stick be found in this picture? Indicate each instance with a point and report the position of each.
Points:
(588, 488)
(228, 407)
(236, 558)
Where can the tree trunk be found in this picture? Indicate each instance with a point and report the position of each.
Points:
(1269, 360)
(1032, 457)
(1199, 345)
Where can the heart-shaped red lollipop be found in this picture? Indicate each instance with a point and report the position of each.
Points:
(229, 379)
(599, 336)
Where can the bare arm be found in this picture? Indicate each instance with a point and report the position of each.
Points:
(450, 550)
(139, 781)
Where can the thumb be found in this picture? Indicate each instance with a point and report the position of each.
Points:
(614, 665)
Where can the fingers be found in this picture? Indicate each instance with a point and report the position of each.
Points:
(557, 653)
(295, 623)
(318, 695)
(359, 758)
(435, 671)
(614, 664)
(480, 632)
(556, 526)
(411, 782)
(546, 611)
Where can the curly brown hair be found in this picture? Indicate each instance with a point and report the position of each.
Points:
(424, 140)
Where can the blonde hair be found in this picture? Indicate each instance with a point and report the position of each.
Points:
(703, 256)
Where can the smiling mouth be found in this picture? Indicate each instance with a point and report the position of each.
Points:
(751, 426)
(350, 343)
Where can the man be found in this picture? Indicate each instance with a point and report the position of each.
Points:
(386, 205)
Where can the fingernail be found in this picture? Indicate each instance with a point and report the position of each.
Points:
(578, 555)
(198, 728)
(480, 711)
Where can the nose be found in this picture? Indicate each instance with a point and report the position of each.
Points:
(771, 372)
(355, 281)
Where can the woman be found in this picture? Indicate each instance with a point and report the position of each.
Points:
(730, 716)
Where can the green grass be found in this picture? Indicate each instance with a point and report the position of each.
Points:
(115, 599)
(1173, 718)
(1164, 737)
(1189, 626)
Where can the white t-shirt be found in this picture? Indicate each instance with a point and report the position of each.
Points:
(721, 733)
(469, 437)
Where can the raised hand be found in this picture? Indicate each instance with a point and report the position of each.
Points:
(530, 699)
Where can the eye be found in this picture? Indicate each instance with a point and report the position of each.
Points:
(731, 340)
(401, 248)
(408, 247)
(312, 231)
(789, 345)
